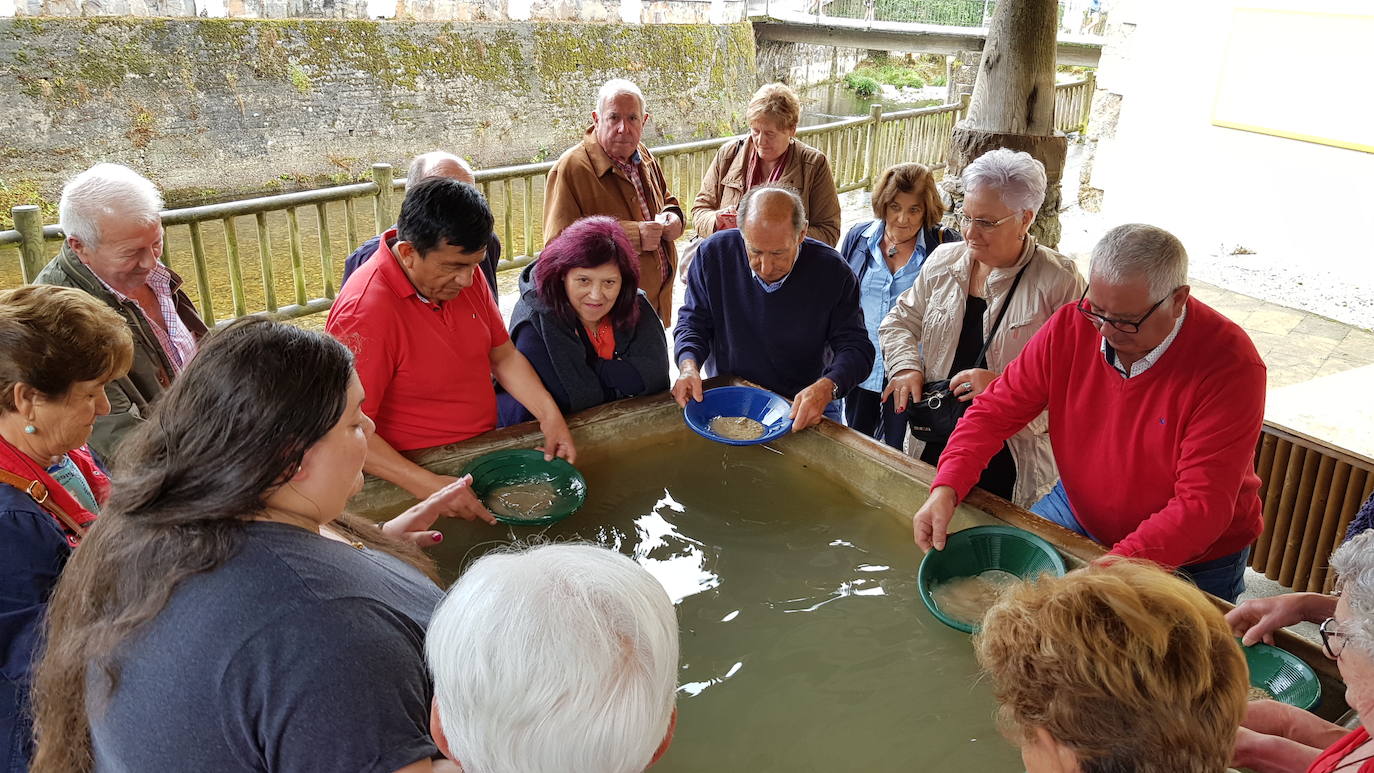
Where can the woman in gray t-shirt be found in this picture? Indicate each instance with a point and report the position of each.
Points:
(225, 614)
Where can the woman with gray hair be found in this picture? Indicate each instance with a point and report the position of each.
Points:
(1278, 738)
(949, 318)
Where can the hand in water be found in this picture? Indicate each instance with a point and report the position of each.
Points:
(809, 405)
(557, 440)
(454, 500)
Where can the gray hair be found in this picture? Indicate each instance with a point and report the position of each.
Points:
(427, 164)
(759, 194)
(554, 659)
(614, 88)
(1136, 251)
(103, 191)
(1354, 565)
(1017, 177)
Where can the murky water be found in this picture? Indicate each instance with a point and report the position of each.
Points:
(804, 645)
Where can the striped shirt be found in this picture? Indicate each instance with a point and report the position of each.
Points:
(173, 335)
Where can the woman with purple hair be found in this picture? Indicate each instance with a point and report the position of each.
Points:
(583, 324)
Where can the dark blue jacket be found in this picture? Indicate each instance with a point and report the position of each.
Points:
(365, 252)
(568, 364)
(33, 551)
(854, 248)
(810, 327)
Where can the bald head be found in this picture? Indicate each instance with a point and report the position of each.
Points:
(773, 204)
(772, 221)
(439, 164)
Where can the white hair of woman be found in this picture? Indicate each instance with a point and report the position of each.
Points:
(1017, 177)
(1138, 251)
(554, 659)
(102, 191)
(614, 88)
(1354, 565)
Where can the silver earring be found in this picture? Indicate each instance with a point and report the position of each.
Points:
(29, 429)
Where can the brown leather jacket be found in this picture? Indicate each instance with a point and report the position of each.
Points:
(585, 182)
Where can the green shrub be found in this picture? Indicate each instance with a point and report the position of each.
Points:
(862, 85)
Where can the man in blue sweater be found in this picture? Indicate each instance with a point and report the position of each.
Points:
(767, 304)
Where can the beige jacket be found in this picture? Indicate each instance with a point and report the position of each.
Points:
(807, 172)
(922, 332)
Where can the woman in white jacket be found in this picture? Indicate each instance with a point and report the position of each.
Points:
(938, 326)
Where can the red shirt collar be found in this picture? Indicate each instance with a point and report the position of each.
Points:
(389, 269)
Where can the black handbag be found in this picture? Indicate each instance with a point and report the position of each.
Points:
(933, 418)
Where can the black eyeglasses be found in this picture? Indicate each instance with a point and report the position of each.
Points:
(1328, 632)
(1124, 325)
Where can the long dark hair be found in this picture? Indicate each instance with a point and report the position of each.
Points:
(233, 427)
(589, 243)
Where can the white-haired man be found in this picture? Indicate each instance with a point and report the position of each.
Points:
(436, 163)
(611, 173)
(555, 659)
(111, 216)
(1155, 405)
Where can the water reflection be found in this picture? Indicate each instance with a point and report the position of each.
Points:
(677, 561)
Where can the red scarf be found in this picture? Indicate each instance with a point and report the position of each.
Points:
(17, 462)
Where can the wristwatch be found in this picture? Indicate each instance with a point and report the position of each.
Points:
(834, 392)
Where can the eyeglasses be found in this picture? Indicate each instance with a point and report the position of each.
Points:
(966, 222)
(1328, 632)
(1124, 325)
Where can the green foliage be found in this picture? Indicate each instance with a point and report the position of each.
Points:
(861, 85)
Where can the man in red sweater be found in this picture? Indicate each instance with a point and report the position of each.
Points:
(1155, 404)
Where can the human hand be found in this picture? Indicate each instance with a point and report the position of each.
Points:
(726, 219)
(557, 439)
(672, 225)
(905, 387)
(931, 522)
(650, 234)
(1257, 619)
(688, 384)
(968, 384)
(453, 500)
(810, 403)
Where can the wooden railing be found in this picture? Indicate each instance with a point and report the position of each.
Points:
(320, 227)
(1310, 491)
(1073, 103)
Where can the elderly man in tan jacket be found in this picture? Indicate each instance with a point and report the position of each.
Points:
(611, 173)
(938, 326)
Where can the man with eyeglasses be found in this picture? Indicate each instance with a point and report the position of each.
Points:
(1155, 404)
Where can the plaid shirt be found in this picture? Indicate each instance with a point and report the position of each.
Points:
(631, 170)
(176, 340)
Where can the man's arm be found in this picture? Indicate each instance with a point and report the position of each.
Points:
(1015, 398)
(1216, 455)
(852, 352)
(515, 374)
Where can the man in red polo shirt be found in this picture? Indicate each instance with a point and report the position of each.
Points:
(1155, 405)
(428, 338)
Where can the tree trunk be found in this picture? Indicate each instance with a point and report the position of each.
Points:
(1013, 103)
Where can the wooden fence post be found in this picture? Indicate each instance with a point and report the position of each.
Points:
(1088, 92)
(381, 205)
(875, 117)
(32, 255)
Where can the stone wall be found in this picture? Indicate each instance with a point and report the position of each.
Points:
(212, 107)
(630, 11)
(804, 64)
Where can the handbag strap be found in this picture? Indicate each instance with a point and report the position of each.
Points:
(39, 493)
(1006, 304)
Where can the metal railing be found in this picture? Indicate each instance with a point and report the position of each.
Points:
(298, 280)
(1310, 491)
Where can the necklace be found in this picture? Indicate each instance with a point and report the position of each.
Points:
(892, 250)
(595, 331)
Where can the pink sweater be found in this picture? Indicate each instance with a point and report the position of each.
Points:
(1160, 466)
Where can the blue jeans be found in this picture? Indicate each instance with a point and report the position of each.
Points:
(1222, 577)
